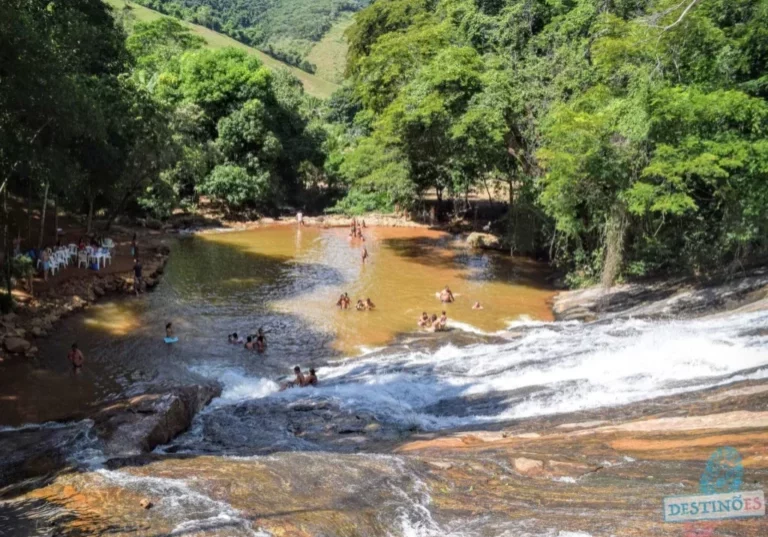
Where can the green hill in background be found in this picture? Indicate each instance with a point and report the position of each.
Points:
(313, 85)
(288, 30)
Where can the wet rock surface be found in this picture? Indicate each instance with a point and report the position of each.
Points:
(667, 299)
(139, 424)
(267, 426)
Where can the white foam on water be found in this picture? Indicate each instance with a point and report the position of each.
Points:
(237, 384)
(178, 499)
(550, 368)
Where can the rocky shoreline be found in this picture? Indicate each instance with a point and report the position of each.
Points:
(36, 318)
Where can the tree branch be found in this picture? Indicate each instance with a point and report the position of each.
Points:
(681, 17)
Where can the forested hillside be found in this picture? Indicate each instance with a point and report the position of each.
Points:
(107, 124)
(631, 134)
(629, 137)
(285, 29)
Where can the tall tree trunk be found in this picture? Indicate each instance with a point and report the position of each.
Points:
(439, 208)
(42, 216)
(56, 217)
(29, 213)
(6, 245)
(615, 230)
(512, 217)
(90, 215)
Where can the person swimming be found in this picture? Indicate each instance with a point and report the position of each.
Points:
(360, 306)
(446, 295)
(311, 379)
(234, 338)
(477, 306)
(369, 305)
(249, 343)
(423, 320)
(261, 341)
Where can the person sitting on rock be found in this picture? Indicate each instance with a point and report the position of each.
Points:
(299, 381)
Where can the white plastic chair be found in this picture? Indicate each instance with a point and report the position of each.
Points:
(108, 243)
(82, 259)
(106, 255)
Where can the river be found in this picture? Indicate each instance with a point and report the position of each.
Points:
(259, 461)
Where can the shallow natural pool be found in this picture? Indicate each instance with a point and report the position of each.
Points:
(286, 281)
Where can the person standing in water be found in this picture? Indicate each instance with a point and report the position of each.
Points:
(169, 330)
(446, 295)
(136, 276)
(365, 254)
(76, 358)
(261, 341)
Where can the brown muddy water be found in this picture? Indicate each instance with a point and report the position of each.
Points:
(286, 281)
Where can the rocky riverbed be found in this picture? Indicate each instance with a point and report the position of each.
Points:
(578, 428)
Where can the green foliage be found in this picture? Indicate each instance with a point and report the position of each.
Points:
(637, 127)
(284, 29)
(235, 185)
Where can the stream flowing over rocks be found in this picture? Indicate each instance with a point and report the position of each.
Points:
(573, 428)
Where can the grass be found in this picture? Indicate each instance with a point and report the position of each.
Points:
(313, 84)
(330, 54)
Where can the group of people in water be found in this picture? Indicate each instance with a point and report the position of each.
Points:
(344, 303)
(256, 342)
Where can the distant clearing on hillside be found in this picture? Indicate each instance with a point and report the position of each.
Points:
(313, 84)
(330, 54)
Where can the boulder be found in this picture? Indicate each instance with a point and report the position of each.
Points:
(16, 345)
(484, 241)
(137, 425)
(529, 467)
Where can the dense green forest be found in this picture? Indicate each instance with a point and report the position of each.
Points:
(285, 29)
(628, 137)
(632, 133)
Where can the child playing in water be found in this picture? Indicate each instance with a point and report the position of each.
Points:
(423, 320)
(434, 324)
(477, 306)
(369, 305)
(76, 358)
(169, 330)
(249, 343)
(365, 254)
(360, 306)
